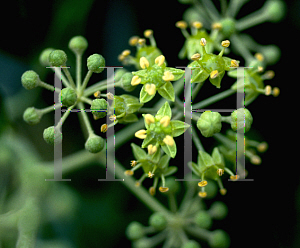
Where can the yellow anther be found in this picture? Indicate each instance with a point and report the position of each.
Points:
(121, 57)
(168, 76)
(196, 56)
(110, 96)
(275, 91)
(260, 69)
(216, 25)
(96, 117)
(112, 117)
(268, 90)
(197, 24)
(149, 119)
(141, 134)
(255, 160)
(137, 184)
(168, 140)
(150, 174)
(128, 172)
(125, 53)
(133, 40)
(225, 43)
(214, 74)
(202, 183)
(160, 60)
(234, 63)
(165, 121)
(223, 191)
(144, 63)
(136, 80)
(163, 189)
(269, 74)
(203, 42)
(133, 163)
(150, 89)
(262, 147)
(141, 41)
(234, 178)
(181, 24)
(152, 191)
(259, 56)
(103, 128)
(97, 94)
(151, 149)
(202, 194)
(148, 33)
(220, 172)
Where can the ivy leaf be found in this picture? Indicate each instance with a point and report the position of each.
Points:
(170, 150)
(128, 119)
(165, 110)
(167, 91)
(194, 167)
(147, 141)
(164, 161)
(204, 161)
(156, 156)
(132, 103)
(138, 152)
(217, 157)
(178, 127)
(144, 96)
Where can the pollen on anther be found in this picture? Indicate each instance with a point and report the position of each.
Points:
(197, 24)
(225, 43)
(148, 33)
(202, 183)
(202, 194)
(259, 56)
(133, 40)
(181, 24)
(196, 56)
(203, 42)
(128, 172)
(214, 74)
(163, 189)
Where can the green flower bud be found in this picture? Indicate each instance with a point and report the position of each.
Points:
(99, 108)
(219, 239)
(30, 79)
(271, 53)
(134, 231)
(68, 97)
(209, 123)
(94, 143)
(158, 221)
(143, 243)
(94, 62)
(191, 244)
(126, 82)
(203, 219)
(211, 189)
(241, 120)
(78, 44)
(58, 58)
(44, 57)
(275, 10)
(119, 73)
(228, 27)
(218, 210)
(32, 115)
(52, 135)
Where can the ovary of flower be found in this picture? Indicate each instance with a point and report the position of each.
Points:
(151, 149)
(149, 119)
(150, 89)
(168, 76)
(136, 80)
(214, 74)
(160, 60)
(141, 134)
(165, 121)
(144, 63)
(168, 140)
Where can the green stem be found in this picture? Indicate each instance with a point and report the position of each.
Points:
(252, 19)
(102, 85)
(63, 79)
(50, 108)
(211, 10)
(85, 119)
(223, 139)
(71, 81)
(78, 70)
(86, 100)
(196, 90)
(172, 202)
(239, 46)
(234, 7)
(197, 141)
(147, 110)
(64, 117)
(85, 82)
(198, 232)
(48, 87)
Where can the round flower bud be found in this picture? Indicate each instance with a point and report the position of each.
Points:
(57, 58)
(32, 115)
(134, 231)
(219, 239)
(218, 210)
(78, 44)
(203, 219)
(94, 143)
(275, 10)
(228, 27)
(158, 221)
(173, 185)
(126, 82)
(44, 57)
(94, 62)
(99, 108)
(271, 53)
(211, 189)
(209, 123)
(119, 73)
(30, 79)
(191, 244)
(143, 243)
(52, 135)
(241, 120)
(68, 97)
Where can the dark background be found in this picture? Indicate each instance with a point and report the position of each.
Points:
(264, 212)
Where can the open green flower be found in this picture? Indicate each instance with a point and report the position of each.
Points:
(161, 130)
